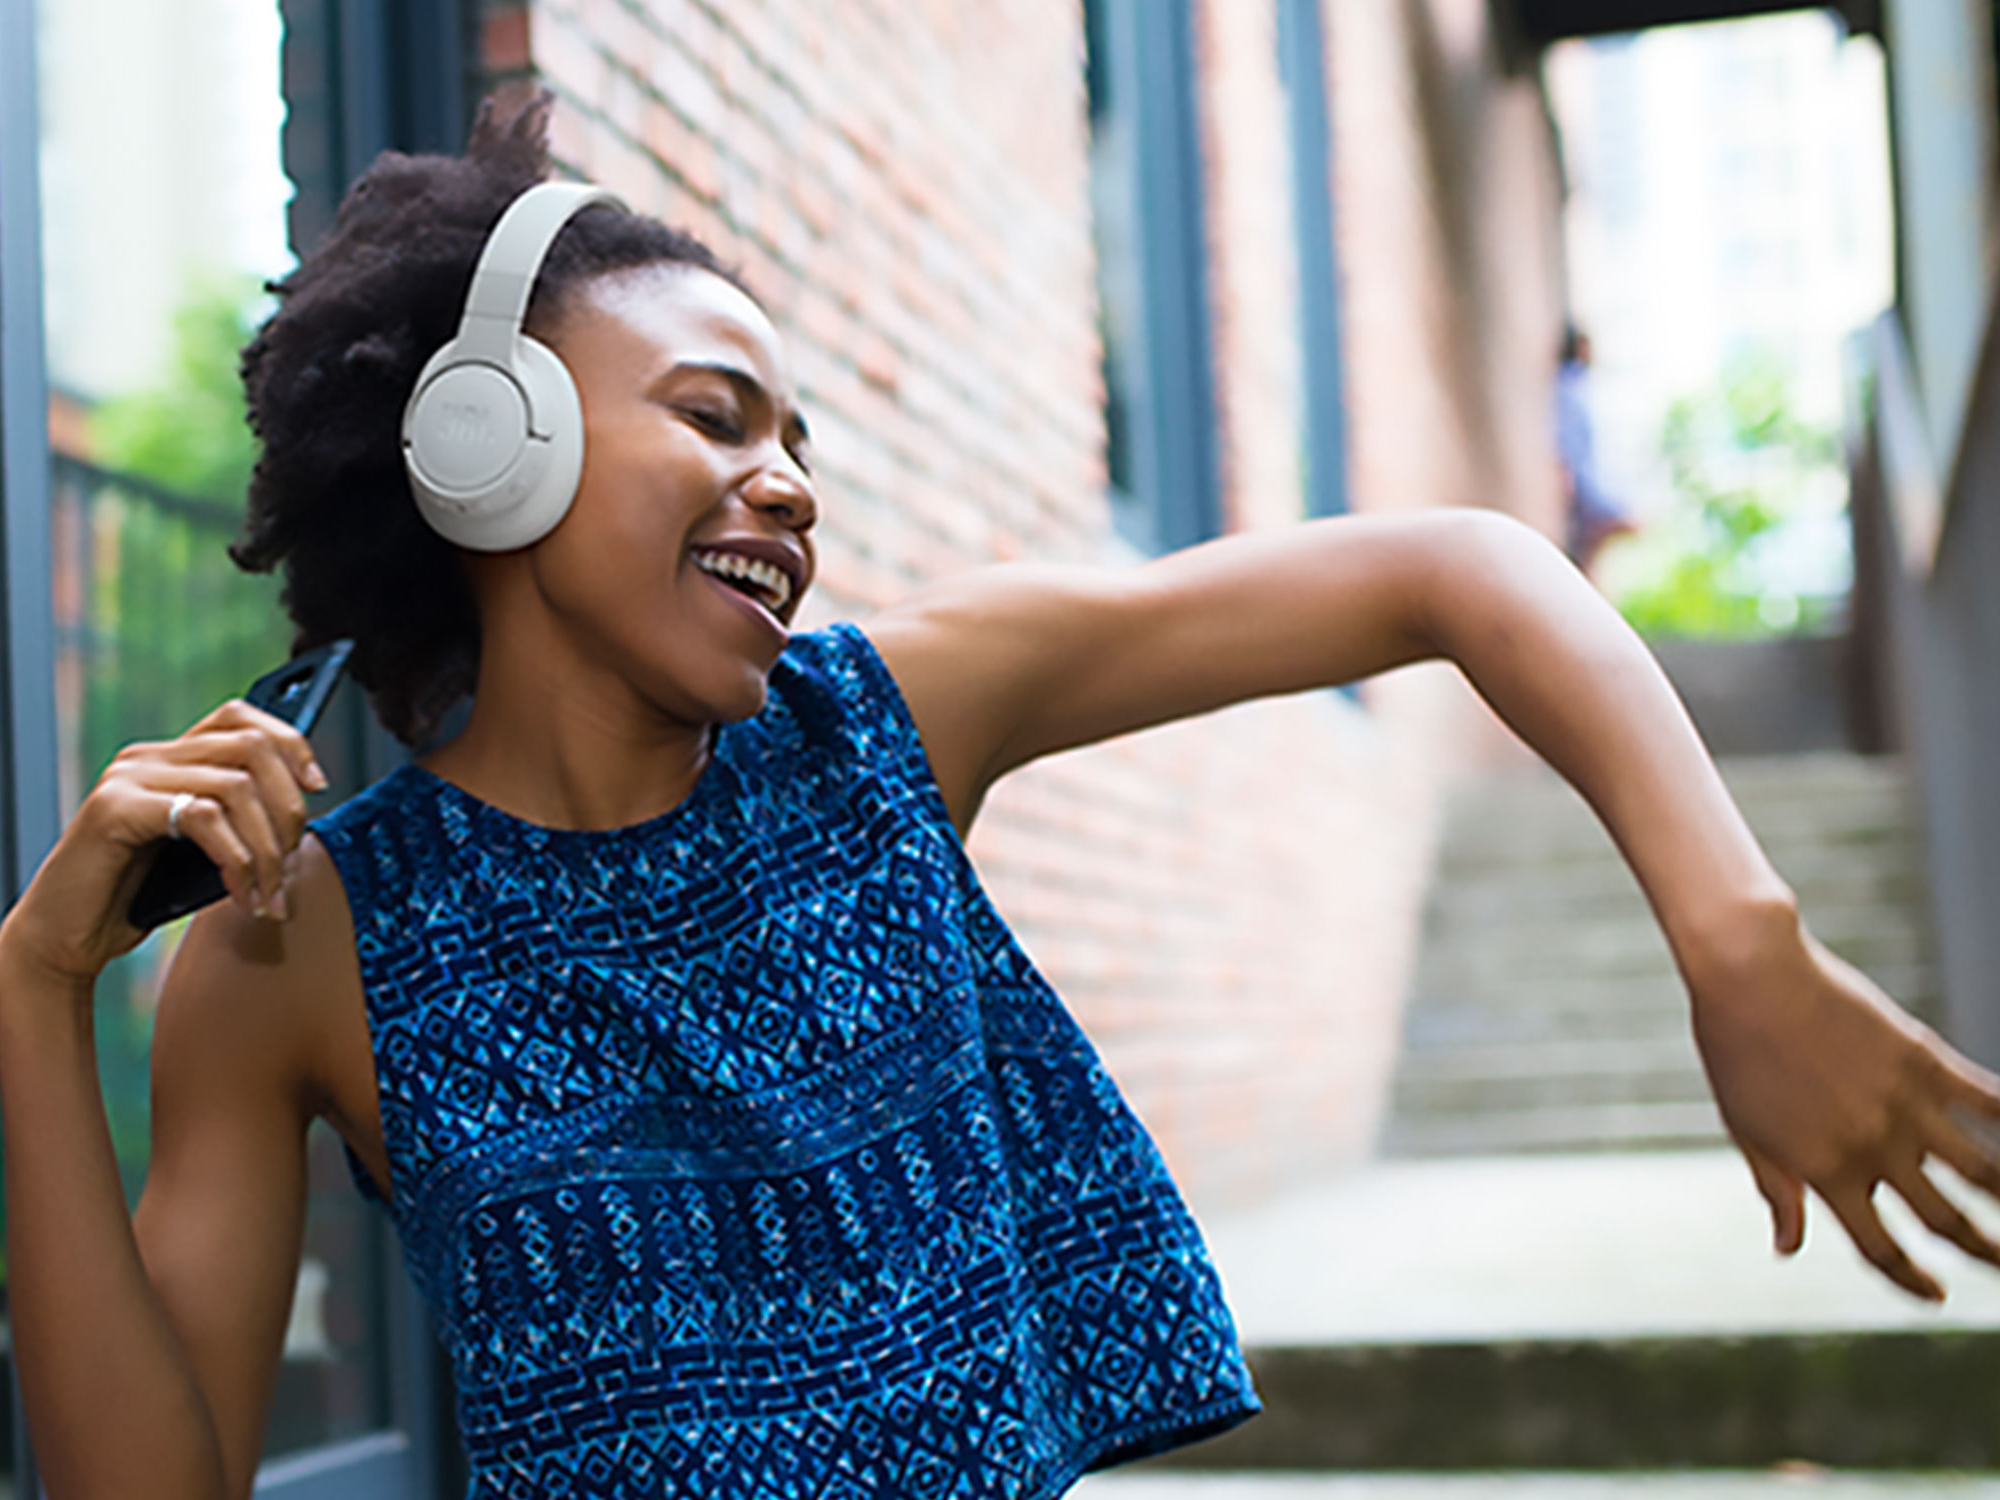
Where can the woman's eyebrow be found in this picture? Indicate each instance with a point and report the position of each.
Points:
(749, 387)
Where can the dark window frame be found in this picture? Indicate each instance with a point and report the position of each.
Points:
(1302, 65)
(1143, 71)
(28, 809)
(360, 76)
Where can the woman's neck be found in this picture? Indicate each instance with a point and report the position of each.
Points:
(570, 749)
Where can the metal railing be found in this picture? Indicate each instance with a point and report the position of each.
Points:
(154, 625)
(1927, 650)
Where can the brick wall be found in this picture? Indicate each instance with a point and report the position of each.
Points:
(1447, 195)
(1228, 905)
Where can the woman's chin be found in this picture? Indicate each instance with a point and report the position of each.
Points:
(735, 689)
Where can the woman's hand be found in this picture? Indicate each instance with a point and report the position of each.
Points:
(1825, 1083)
(244, 774)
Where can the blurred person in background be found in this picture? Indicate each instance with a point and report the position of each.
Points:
(1595, 516)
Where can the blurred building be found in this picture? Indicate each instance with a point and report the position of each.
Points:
(1729, 194)
(204, 194)
(1728, 206)
(1061, 281)
(1324, 275)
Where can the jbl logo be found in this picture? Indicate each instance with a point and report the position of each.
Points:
(464, 421)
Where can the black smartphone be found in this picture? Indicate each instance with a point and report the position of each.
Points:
(183, 879)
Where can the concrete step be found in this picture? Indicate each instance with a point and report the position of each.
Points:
(1866, 1400)
(1549, 1075)
(1527, 820)
(1886, 877)
(1565, 1058)
(1616, 947)
(1563, 1006)
(1793, 1482)
(1622, 1125)
(1855, 802)
(1555, 1075)
(1557, 843)
(1546, 1013)
(1594, 1312)
(1626, 1247)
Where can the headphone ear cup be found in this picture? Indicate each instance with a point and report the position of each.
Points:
(555, 437)
(494, 457)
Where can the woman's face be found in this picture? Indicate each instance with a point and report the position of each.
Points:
(680, 566)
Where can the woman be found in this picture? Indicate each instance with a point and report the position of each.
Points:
(734, 1144)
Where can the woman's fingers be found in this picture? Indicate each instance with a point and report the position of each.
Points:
(226, 818)
(1785, 1195)
(1941, 1216)
(1971, 1086)
(230, 734)
(1964, 1154)
(239, 776)
(258, 768)
(248, 774)
(293, 749)
(1852, 1205)
(277, 787)
(204, 822)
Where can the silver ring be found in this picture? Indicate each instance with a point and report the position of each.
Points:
(175, 808)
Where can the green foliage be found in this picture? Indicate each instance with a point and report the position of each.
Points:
(174, 627)
(166, 625)
(188, 433)
(1742, 467)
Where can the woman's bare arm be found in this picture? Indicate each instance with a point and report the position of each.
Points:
(146, 1357)
(1008, 664)
(1821, 1079)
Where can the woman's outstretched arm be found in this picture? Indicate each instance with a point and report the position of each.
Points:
(146, 1358)
(1821, 1079)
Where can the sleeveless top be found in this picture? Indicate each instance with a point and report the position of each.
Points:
(743, 1153)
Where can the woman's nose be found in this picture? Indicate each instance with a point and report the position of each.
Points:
(778, 490)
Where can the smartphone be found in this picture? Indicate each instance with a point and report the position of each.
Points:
(183, 879)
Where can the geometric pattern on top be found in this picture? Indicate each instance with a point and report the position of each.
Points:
(742, 1153)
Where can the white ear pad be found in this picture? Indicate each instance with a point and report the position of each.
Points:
(494, 455)
(493, 431)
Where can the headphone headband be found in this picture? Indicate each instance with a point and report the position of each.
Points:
(504, 279)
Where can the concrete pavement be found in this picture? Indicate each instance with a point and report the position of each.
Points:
(1585, 1246)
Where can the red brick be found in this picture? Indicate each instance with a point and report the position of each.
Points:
(683, 153)
(503, 40)
(621, 34)
(680, 80)
(1231, 905)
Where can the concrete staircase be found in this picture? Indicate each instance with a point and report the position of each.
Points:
(1798, 1483)
(1547, 1014)
(1519, 1301)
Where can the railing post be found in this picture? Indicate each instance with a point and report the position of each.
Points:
(1932, 558)
(28, 805)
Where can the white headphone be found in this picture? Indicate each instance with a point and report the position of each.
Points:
(493, 432)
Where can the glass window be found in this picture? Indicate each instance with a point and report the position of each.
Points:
(164, 211)
(1146, 194)
(1114, 195)
(1309, 119)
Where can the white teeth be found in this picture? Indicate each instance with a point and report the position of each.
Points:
(769, 581)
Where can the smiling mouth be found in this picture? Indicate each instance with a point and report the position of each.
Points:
(759, 581)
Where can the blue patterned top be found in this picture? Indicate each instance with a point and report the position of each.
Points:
(742, 1153)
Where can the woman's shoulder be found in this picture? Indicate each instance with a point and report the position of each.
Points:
(385, 801)
(836, 657)
(835, 678)
(258, 1002)
(388, 840)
